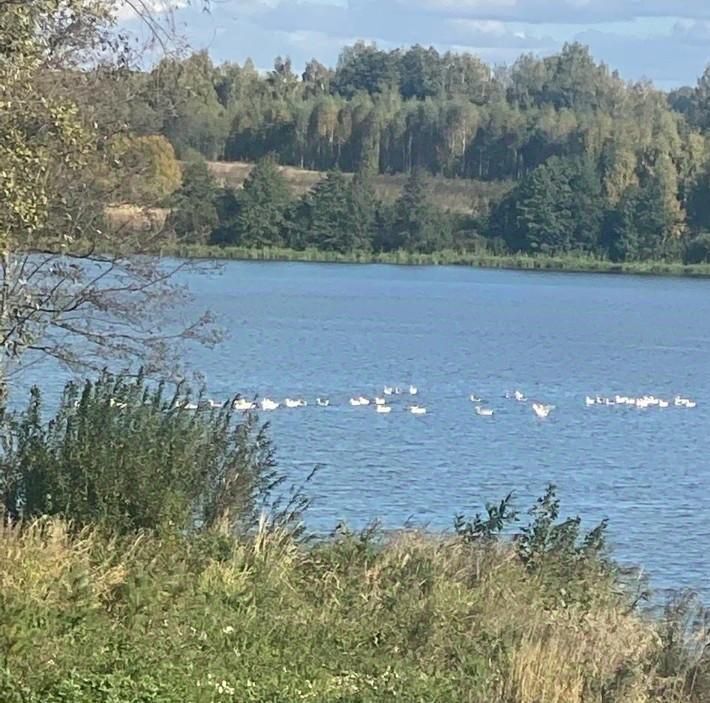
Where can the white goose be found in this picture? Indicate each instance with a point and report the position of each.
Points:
(289, 403)
(383, 409)
(413, 390)
(475, 399)
(681, 402)
(388, 390)
(589, 401)
(542, 411)
(484, 412)
(355, 402)
(243, 405)
(417, 410)
(322, 402)
(380, 401)
(268, 405)
(363, 400)
(518, 395)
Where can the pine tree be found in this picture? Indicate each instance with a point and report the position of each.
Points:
(262, 203)
(555, 209)
(363, 204)
(194, 215)
(325, 218)
(640, 227)
(417, 226)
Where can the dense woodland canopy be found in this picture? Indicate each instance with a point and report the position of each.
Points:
(595, 165)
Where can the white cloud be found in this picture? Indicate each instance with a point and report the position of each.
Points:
(134, 9)
(665, 40)
(561, 11)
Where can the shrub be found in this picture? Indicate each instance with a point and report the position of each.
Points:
(697, 250)
(129, 456)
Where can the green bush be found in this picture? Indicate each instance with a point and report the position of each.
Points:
(129, 456)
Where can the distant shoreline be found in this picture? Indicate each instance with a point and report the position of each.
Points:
(553, 264)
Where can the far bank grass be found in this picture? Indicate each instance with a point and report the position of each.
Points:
(573, 264)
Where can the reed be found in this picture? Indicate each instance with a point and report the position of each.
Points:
(573, 264)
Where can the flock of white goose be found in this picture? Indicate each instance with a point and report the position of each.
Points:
(641, 403)
(382, 404)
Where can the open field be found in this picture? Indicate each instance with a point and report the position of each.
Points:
(458, 195)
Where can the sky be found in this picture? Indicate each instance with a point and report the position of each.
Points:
(666, 41)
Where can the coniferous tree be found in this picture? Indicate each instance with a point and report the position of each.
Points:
(363, 205)
(416, 226)
(261, 205)
(194, 215)
(555, 209)
(325, 218)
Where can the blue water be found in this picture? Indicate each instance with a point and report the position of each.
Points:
(303, 330)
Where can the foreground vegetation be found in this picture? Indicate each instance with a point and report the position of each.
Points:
(357, 618)
(145, 556)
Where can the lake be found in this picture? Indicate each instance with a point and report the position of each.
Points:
(337, 331)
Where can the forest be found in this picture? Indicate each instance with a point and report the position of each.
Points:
(587, 162)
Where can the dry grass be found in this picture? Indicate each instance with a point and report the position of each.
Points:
(133, 218)
(415, 617)
(457, 195)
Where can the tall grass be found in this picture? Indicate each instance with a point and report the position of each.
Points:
(571, 263)
(357, 618)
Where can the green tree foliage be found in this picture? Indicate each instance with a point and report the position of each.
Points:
(575, 138)
(560, 122)
(185, 97)
(64, 86)
(416, 225)
(326, 218)
(257, 217)
(364, 210)
(193, 214)
(556, 209)
(364, 67)
(698, 249)
(639, 228)
(699, 201)
(127, 456)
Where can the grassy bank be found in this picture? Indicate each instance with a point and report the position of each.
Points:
(357, 619)
(450, 258)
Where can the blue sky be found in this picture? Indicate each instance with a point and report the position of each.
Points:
(667, 41)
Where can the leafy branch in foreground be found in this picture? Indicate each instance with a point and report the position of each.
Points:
(60, 295)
